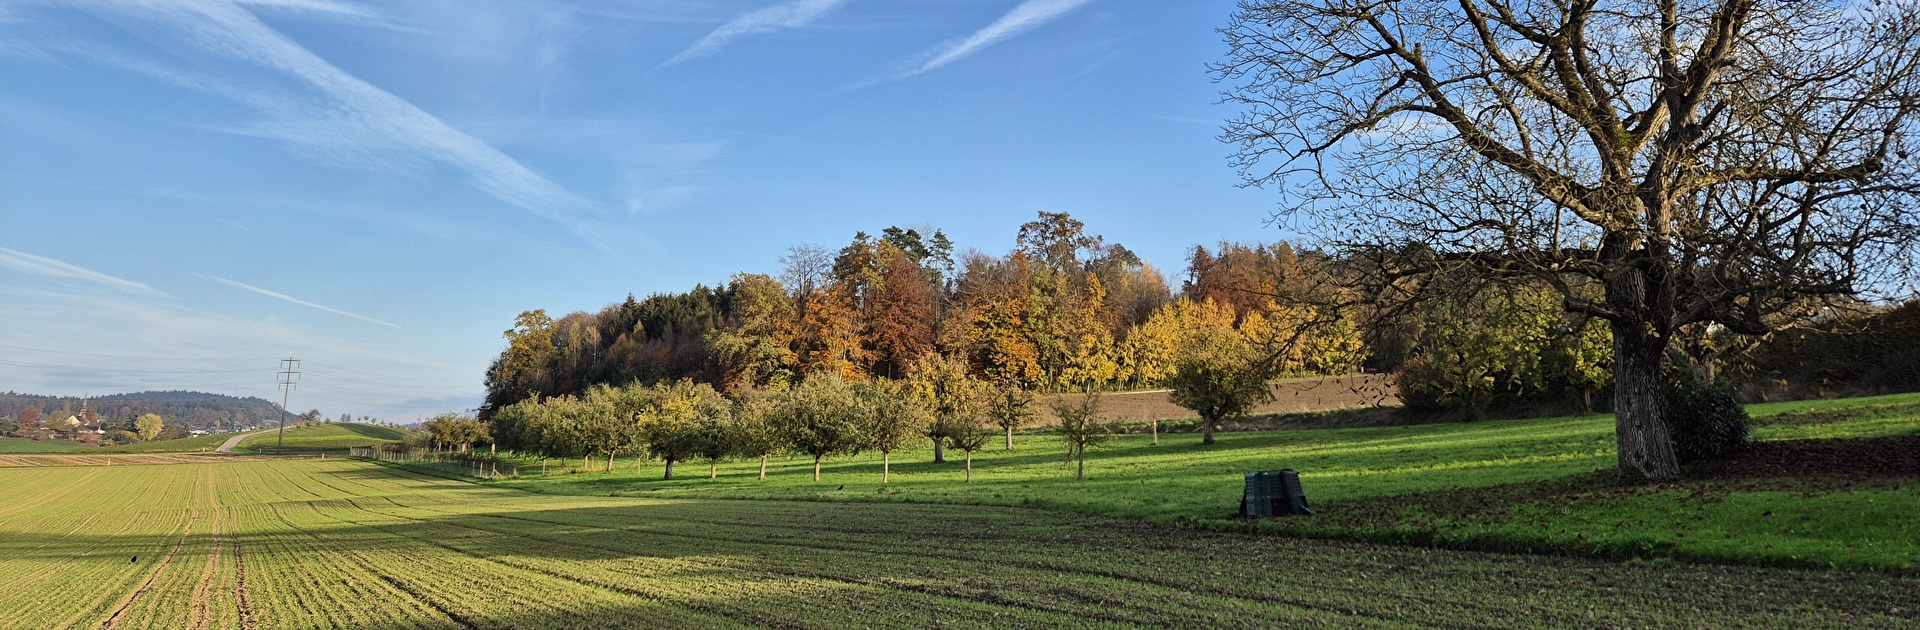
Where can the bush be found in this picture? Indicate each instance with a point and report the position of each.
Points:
(1705, 422)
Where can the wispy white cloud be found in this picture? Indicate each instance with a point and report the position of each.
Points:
(351, 117)
(50, 268)
(282, 296)
(1025, 17)
(792, 14)
(314, 6)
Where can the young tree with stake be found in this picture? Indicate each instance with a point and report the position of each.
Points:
(1010, 406)
(1081, 428)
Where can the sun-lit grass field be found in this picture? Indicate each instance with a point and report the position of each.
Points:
(335, 437)
(1345, 470)
(13, 446)
(341, 543)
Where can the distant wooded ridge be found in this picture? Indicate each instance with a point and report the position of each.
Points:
(199, 410)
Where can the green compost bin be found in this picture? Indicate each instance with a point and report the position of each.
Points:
(1274, 493)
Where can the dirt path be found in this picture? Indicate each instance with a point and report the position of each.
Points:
(234, 442)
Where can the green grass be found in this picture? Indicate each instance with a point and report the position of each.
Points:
(1541, 484)
(21, 446)
(335, 543)
(195, 444)
(334, 438)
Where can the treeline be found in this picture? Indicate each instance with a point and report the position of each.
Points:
(1064, 310)
(190, 410)
(821, 417)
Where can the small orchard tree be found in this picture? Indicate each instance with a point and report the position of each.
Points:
(1009, 406)
(1081, 428)
(1221, 377)
(712, 441)
(890, 417)
(558, 431)
(970, 437)
(673, 428)
(753, 432)
(819, 418)
(950, 395)
(608, 420)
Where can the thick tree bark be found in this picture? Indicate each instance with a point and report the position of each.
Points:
(1639, 407)
(816, 469)
(713, 469)
(1206, 431)
(939, 451)
(669, 469)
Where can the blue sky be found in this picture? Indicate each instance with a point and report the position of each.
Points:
(193, 189)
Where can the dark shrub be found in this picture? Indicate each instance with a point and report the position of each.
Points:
(1704, 421)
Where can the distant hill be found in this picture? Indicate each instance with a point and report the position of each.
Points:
(197, 410)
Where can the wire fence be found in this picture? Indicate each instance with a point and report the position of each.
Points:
(477, 465)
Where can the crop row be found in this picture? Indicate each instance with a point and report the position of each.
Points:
(349, 544)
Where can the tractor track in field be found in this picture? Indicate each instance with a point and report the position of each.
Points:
(921, 554)
(242, 598)
(615, 588)
(113, 621)
(399, 587)
(422, 598)
(901, 585)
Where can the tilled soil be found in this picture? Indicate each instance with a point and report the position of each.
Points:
(1847, 457)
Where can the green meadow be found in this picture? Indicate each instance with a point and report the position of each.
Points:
(1535, 485)
(332, 438)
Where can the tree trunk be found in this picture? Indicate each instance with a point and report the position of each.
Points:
(816, 469)
(969, 466)
(886, 465)
(1156, 432)
(713, 469)
(939, 451)
(763, 468)
(1206, 431)
(669, 476)
(609, 461)
(1639, 408)
(1009, 438)
(1080, 472)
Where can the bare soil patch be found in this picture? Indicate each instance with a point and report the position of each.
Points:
(1834, 457)
(1302, 395)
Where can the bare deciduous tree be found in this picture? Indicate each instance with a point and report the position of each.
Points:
(1665, 164)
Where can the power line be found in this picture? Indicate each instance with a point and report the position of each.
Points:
(289, 373)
